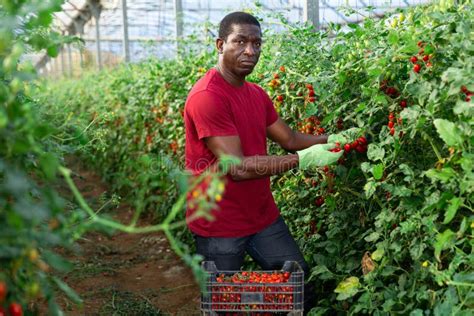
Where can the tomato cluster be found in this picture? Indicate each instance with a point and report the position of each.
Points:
(14, 309)
(233, 294)
(275, 82)
(391, 124)
(467, 93)
(311, 96)
(359, 145)
(417, 64)
(311, 125)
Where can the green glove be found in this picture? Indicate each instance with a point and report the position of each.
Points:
(344, 137)
(318, 156)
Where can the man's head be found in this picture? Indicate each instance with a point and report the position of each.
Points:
(239, 43)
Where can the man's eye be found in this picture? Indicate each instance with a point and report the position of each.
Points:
(258, 44)
(241, 42)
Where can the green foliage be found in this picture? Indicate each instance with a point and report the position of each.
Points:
(407, 202)
(34, 219)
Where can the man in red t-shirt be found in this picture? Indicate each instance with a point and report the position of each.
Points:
(224, 114)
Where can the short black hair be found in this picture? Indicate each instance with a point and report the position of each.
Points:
(225, 27)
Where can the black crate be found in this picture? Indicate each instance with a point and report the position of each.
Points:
(237, 293)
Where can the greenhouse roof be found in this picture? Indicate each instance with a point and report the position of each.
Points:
(155, 20)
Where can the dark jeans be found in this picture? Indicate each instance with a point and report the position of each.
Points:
(270, 248)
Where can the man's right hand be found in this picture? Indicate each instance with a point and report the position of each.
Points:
(318, 156)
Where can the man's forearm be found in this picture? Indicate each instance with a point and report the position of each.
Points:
(302, 141)
(255, 167)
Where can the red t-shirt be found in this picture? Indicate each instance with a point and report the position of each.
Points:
(216, 108)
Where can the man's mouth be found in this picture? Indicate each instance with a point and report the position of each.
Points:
(247, 63)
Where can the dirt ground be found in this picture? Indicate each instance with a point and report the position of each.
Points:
(126, 274)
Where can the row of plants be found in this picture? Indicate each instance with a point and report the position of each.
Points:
(42, 213)
(386, 230)
(34, 218)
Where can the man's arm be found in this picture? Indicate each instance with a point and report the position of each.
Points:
(290, 140)
(252, 167)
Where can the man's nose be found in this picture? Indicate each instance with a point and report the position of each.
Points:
(250, 49)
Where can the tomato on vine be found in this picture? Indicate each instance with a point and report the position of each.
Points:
(319, 201)
(15, 309)
(417, 68)
(3, 291)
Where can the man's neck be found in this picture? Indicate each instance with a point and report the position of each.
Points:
(230, 77)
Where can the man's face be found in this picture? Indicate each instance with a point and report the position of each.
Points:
(241, 49)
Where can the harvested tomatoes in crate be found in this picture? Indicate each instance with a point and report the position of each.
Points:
(253, 292)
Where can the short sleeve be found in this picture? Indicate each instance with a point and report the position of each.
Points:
(211, 115)
(271, 115)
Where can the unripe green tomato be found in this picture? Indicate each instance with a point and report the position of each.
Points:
(15, 85)
(9, 63)
(33, 289)
(402, 17)
(28, 89)
(27, 66)
(3, 119)
(17, 50)
(393, 76)
(3, 92)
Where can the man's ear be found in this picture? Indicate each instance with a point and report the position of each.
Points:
(219, 44)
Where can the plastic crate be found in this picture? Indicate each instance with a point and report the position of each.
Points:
(253, 292)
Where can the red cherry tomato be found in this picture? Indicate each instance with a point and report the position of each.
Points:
(15, 309)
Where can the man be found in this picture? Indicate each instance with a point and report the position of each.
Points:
(224, 114)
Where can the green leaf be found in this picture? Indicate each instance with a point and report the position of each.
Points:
(375, 152)
(369, 188)
(375, 72)
(407, 171)
(68, 291)
(416, 312)
(444, 241)
(372, 237)
(145, 160)
(377, 171)
(49, 164)
(392, 37)
(366, 167)
(57, 262)
(442, 175)
(347, 288)
(428, 49)
(463, 107)
(322, 272)
(448, 132)
(45, 18)
(453, 207)
(401, 190)
(377, 255)
(466, 277)
(3, 119)
(52, 51)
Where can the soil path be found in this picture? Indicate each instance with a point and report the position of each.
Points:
(126, 274)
